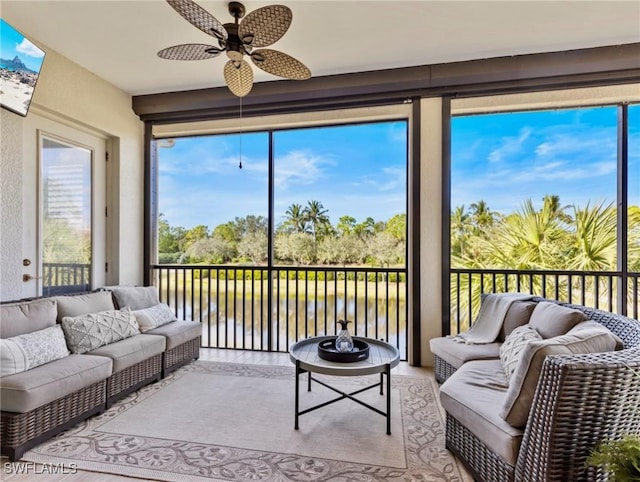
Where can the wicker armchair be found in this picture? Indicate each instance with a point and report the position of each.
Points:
(580, 400)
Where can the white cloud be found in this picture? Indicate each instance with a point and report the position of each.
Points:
(298, 167)
(509, 146)
(396, 179)
(27, 48)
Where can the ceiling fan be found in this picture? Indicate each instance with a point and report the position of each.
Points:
(258, 29)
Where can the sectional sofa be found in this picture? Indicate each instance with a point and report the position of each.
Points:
(65, 358)
(532, 405)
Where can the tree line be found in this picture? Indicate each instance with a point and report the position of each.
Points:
(305, 237)
(553, 237)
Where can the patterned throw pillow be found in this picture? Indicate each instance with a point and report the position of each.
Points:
(154, 316)
(513, 346)
(88, 332)
(23, 352)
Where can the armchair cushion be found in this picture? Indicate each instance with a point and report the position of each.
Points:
(471, 396)
(456, 354)
(76, 305)
(586, 337)
(519, 314)
(551, 320)
(27, 316)
(135, 297)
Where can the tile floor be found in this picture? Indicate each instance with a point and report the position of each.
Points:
(37, 472)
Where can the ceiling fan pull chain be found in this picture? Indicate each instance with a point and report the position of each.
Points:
(240, 165)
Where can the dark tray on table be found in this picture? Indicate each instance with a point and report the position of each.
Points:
(327, 351)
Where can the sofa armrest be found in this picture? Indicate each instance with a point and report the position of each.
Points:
(580, 400)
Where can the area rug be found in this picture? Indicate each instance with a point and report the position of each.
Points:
(232, 422)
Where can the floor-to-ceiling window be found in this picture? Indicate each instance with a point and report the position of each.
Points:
(534, 206)
(270, 236)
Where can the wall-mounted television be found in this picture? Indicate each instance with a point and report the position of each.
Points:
(20, 65)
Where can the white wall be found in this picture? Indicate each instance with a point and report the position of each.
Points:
(71, 95)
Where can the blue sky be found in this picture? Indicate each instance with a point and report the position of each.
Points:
(360, 170)
(13, 43)
(506, 158)
(356, 170)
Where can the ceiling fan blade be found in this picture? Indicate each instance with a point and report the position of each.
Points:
(189, 52)
(239, 77)
(265, 25)
(280, 64)
(199, 17)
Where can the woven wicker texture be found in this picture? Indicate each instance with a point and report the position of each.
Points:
(483, 463)
(267, 24)
(18, 429)
(580, 400)
(443, 370)
(199, 17)
(130, 377)
(180, 354)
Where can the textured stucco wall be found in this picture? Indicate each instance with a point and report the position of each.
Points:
(10, 205)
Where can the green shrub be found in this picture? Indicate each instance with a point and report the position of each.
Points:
(168, 258)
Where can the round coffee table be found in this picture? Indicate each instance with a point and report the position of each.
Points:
(382, 358)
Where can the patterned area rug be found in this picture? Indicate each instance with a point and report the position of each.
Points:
(231, 422)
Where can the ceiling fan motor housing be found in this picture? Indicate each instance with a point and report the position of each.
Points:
(235, 47)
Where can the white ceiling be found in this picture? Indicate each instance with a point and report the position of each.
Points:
(118, 40)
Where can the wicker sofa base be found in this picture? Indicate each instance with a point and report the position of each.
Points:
(443, 369)
(180, 355)
(127, 381)
(22, 431)
(475, 455)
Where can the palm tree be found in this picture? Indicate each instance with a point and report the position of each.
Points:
(552, 203)
(460, 230)
(526, 239)
(481, 215)
(316, 215)
(595, 238)
(297, 218)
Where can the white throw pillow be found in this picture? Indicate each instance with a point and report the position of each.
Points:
(513, 346)
(23, 352)
(154, 316)
(88, 332)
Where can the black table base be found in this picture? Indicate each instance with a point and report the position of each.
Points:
(344, 395)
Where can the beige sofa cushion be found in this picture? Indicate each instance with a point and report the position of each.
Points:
(586, 337)
(133, 350)
(27, 316)
(75, 305)
(519, 314)
(88, 332)
(178, 332)
(154, 316)
(456, 354)
(551, 320)
(23, 352)
(135, 297)
(25, 391)
(473, 395)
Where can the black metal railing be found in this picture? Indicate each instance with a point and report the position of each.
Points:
(259, 308)
(60, 278)
(597, 289)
